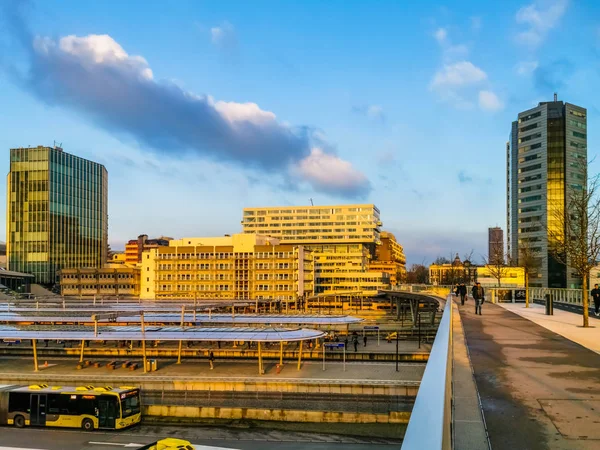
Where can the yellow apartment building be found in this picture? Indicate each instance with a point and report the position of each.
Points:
(310, 225)
(108, 281)
(452, 273)
(242, 266)
(343, 238)
(510, 276)
(390, 258)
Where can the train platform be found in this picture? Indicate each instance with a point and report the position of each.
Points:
(538, 389)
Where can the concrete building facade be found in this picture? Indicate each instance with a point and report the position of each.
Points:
(238, 267)
(546, 162)
(344, 239)
(389, 258)
(57, 212)
(135, 247)
(104, 282)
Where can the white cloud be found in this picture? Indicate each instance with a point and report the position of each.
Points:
(224, 36)
(458, 74)
(94, 76)
(526, 67)
(96, 49)
(488, 101)
(440, 35)
(451, 52)
(327, 172)
(539, 18)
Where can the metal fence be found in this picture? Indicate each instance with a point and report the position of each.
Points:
(430, 424)
(512, 295)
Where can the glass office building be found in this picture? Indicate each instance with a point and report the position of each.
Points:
(57, 212)
(546, 163)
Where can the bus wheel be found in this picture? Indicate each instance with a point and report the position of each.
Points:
(19, 421)
(87, 425)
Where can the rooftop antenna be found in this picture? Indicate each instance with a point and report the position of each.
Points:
(555, 97)
(311, 202)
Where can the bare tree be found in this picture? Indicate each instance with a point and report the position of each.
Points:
(529, 259)
(497, 265)
(574, 237)
(470, 269)
(417, 274)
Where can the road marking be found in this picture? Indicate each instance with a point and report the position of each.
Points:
(18, 448)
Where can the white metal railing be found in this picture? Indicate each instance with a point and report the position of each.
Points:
(570, 296)
(430, 424)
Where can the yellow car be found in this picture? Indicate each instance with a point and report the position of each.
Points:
(169, 444)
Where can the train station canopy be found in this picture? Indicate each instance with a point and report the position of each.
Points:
(153, 333)
(247, 319)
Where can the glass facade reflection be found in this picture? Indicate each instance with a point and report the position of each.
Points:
(57, 212)
(546, 162)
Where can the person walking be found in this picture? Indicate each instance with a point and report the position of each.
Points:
(365, 340)
(462, 289)
(355, 342)
(596, 297)
(211, 360)
(479, 296)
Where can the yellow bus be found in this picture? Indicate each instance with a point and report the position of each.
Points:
(85, 407)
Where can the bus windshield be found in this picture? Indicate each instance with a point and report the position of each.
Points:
(130, 403)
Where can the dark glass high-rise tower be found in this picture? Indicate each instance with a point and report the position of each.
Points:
(57, 212)
(546, 161)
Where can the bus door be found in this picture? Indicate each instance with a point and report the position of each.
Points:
(38, 409)
(108, 411)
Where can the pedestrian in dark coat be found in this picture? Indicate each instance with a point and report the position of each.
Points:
(462, 290)
(596, 297)
(479, 297)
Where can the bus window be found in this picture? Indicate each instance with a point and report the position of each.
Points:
(131, 404)
(18, 401)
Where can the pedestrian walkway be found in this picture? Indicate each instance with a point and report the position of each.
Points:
(467, 420)
(538, 389)
(565, 323)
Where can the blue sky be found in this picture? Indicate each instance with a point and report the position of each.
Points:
(199, 109)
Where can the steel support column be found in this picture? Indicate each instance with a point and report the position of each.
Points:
(300, 356)
(35, 358)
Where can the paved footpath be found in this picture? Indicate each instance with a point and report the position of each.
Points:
(538, 389)
(565, 323)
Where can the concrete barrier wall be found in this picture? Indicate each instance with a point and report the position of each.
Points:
(243, 385)
(280, 415)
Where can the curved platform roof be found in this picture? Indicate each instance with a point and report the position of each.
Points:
(265, 319)
(227, 334)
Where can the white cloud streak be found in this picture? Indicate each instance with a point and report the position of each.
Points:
(539, 18)
(458, 74)
(489, 101)
(525, 68)
(329, 173)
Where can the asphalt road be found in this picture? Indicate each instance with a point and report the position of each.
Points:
(239, 439)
